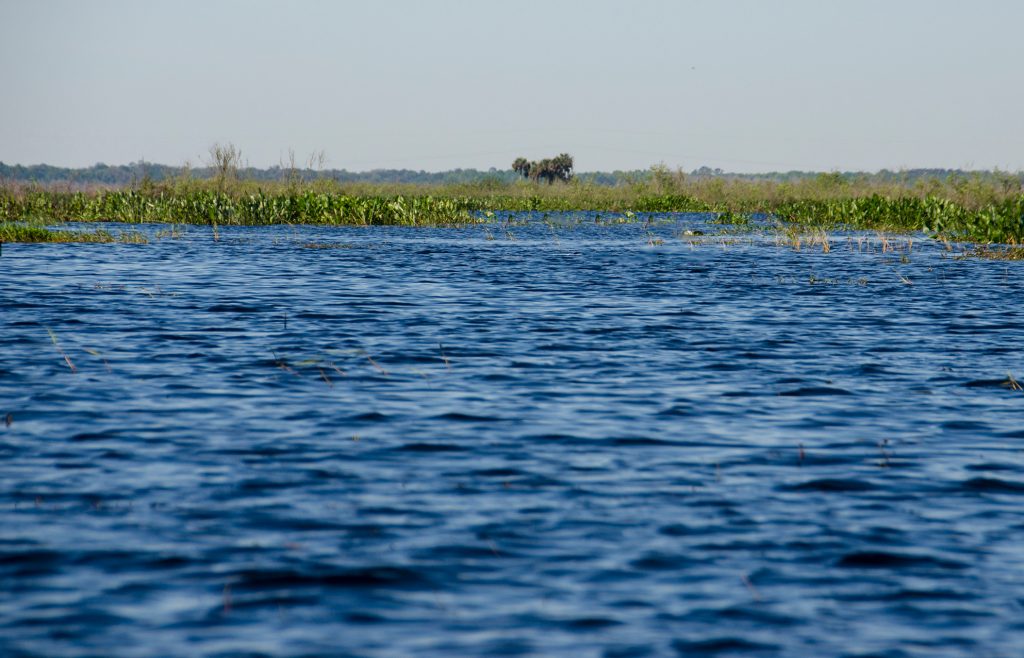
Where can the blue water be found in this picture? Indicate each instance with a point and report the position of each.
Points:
(562, 441)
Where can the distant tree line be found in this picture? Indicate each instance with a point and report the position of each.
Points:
(137, 172)
(549, 170)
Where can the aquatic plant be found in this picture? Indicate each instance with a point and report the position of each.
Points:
(974, 211)
(991, 252)
(731, 218)
(56, 344)
(204, 206)
(1001, 222)
(13, 232)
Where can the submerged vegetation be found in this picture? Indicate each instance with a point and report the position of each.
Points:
(985, 210)
(36, 232)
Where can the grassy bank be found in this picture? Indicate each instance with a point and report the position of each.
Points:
(989, 210)
(198, 205)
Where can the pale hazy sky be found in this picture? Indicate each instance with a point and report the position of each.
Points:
(745, 85)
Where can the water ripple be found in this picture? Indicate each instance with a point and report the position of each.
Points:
(432, 443)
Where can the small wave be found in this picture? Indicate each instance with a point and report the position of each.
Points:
(930, 595)
(273, 600)
(369, 416)
(94, 436)
(461, 552)
(993, 485)
(637, 651)
(677, 410)
(370, 577)
(831, 485)
(641, 441)
(738, 613)
(989, 466)
(809, 391)
(721, 366)
(430, 447)
(189, 339)
(308, 315)
(263, 484)
(888, 560)
(116, 454)
(568, 439)
(497, 377)
(267, 522)
(741, 394)
(234, 308)
(397, 511)
(965, 425)
(74, 624)
(661, 562)
(721, 645)
(366, 531)
(675, 530)
(872, 369)
(986, 383)
(30, 563)
(461, 417)
(500, 472)
(589, 623)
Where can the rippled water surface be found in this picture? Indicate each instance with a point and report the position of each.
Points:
(556, 442)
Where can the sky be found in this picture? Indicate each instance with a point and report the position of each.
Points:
(741, 85)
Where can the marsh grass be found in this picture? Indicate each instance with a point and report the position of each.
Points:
(60, 350)
(998, 222)
(327, 245)
(27, 232)
(978, 210)
(175, 232)
(996, 252)
(240, 207)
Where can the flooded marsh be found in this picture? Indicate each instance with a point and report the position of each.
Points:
(574, 437)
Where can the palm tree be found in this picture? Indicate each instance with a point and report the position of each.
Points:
(548, 169)
(522, 167)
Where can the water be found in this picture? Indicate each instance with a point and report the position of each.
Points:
(419, 442)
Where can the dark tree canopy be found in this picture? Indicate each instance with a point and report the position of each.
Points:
(548, 169)
(522, 167)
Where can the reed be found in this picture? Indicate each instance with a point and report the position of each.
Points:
(26, 232)
(994, 252)
(211, 207)
(962, 210)
(56, 344)
(999, 222)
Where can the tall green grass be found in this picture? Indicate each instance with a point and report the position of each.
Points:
(999, 222)
(976, 210)
(12, 231)
(204, 206)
